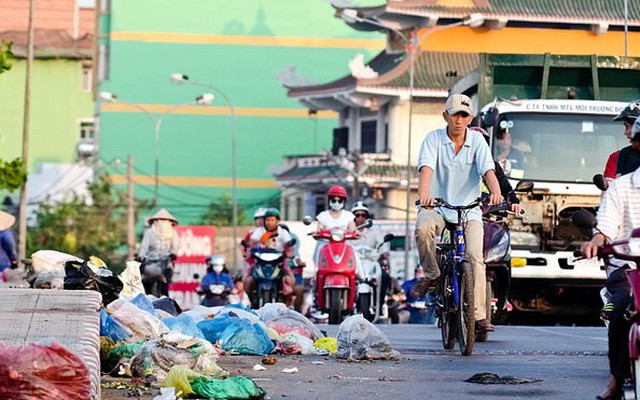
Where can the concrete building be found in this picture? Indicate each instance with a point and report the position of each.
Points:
(246, 50)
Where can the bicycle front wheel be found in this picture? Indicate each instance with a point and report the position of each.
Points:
(465, 312)
(447, 318)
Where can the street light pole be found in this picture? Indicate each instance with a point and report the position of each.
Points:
(156, 121)
(182, 79)
(413, 44)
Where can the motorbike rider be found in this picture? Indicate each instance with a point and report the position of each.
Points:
(629, 157)
(272, 235)
(618, 214)
(217, 283)
(628, 116)
(258, 221)
(392, 289)
(295, 263)
(417, 305)
(336, 216)
(370, 238)
(158, 250)
(456, 160)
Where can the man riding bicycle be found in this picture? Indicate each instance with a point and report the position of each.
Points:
(452, 163)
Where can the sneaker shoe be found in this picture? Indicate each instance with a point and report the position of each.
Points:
(484, 325)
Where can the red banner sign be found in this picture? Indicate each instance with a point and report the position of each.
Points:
(196, 243)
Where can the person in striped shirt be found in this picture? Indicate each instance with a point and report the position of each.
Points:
(618, 215)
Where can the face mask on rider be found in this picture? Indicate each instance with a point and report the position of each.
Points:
(218, 268)
(336, 203)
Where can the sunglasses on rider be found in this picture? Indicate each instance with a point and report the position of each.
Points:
(361, 215)
(336, 200)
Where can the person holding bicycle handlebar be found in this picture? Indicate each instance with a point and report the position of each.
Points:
(452, 163)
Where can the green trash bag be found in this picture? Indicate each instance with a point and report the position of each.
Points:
(235, 388)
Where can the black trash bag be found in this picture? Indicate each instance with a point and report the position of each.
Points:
(168, 305)
(81, 277)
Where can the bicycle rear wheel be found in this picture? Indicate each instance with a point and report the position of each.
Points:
(465, 313)
(447, 319)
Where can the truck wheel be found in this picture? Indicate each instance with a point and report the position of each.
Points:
(335, 307)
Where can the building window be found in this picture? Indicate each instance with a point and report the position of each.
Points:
(87, 129)
(368, 136)
(86, 83)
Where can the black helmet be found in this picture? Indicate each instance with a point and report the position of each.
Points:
(631, 111)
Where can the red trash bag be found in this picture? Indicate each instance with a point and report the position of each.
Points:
(35, 371)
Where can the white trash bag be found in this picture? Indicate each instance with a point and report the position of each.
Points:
(359, 339)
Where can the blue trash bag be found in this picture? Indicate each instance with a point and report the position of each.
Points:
(243, 337)
(142, 302)
(111, 328)
(184, 324)
(213, 328)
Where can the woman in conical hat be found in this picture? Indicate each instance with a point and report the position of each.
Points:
(158, 249)
(8, 253)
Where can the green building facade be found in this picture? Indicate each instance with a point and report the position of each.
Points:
(246, 49)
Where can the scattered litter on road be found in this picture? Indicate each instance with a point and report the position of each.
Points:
(167, 393)
(359, 339)
(317, 362)
(290, 370)
(487, 378)
(259, 367)
(269, 360)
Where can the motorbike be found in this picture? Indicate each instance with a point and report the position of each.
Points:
(370, 297)
(156, 275)
(336, 278)
(497, 258)
(625, 249)
(215, 295)
(268, 272)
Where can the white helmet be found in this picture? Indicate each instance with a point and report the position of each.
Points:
(360, 206)
(259, 213)
(217, 259)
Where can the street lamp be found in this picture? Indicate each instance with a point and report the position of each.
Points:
(182, 79)
(413, 43)
(156, 120)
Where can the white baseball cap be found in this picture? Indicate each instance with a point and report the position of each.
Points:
(458, 103)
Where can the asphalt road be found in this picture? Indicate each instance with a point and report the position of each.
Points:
(565, 362)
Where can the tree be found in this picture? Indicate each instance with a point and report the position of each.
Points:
(83, 226)
(5, 56)
(220, 213)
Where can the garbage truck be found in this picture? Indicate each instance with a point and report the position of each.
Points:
(550, 118)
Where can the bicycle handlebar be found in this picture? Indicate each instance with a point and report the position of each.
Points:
(444, 204)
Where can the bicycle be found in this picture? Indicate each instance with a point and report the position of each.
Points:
(454, 291)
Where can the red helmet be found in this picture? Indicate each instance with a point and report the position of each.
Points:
(337, 191)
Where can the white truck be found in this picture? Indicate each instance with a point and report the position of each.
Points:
(559, 145)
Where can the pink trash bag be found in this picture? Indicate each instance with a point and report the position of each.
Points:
(35, 371)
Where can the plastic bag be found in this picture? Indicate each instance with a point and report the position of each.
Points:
(82, 277)
(212, 328)
(359, 339)
(168, 305)
(49, 280)
(294, 343)
(243, 337)
(180, 377)
(184, 324)
(142, 302)
(328, 344)
(201, 313)
(237, 387)
(36, 372)
(111, 328)
(120, 355)
(50, 261)
(157, 356)
(131, 280)
(139, 322)
(284, 320)
(167, 393)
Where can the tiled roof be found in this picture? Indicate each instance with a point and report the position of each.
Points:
(50, 43)
(382, 63)
(530, 10)
(431, 70)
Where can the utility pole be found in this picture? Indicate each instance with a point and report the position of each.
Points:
(22, 221)
(131, 214)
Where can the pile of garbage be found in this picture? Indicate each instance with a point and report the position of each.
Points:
(152, 339)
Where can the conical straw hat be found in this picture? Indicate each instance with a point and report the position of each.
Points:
(162, 214)
(6, 220)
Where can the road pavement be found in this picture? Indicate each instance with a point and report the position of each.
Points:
(568, 362)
